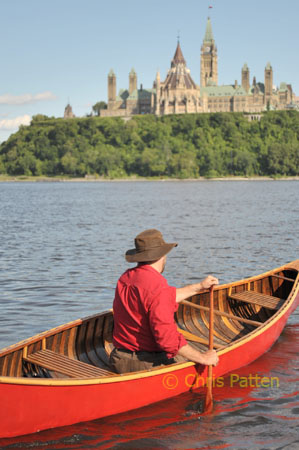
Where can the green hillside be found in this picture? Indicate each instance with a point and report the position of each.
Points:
(181, 146)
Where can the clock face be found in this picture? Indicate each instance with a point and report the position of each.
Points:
(207, 49)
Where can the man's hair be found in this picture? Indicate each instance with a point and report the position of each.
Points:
(147, 262)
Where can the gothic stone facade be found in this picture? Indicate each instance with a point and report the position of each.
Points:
(179, 94)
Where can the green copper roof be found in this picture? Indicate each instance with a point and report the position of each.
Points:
(283, 87)
(137, 94)
(240, 91)
(218, 91)
(268, 66)
(111, 73)
(132, 71)
(245, 67)
(209, 33)
(122, 95)
(140, 93)
(223, 91)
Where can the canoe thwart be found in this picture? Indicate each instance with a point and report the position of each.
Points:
(283, 278)
(67, 366)
(193, 337)
(255, 323)
(256, 298)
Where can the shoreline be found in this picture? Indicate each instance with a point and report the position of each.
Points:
(88, 179)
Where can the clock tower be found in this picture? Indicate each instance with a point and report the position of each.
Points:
(208, 61)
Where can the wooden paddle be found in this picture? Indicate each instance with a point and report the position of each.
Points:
(209, 397)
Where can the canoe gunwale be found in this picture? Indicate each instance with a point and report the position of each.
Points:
(272, 320)
(153, 372)
(48, 333)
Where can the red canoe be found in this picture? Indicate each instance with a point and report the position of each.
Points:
(61, 377)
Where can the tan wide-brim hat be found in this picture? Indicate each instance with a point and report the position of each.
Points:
(149, 246)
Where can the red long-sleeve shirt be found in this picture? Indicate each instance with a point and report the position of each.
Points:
(144, 307)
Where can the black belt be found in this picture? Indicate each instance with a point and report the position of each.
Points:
(131, 352)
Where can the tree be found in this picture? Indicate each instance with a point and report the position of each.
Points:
(98, 106)
(182, 146)
(69, 163)
(2, 167)
(152, 162)
(39, 118)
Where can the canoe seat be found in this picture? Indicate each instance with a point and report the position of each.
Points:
(67, 366)
(256, 298)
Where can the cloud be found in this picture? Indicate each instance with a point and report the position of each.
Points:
(9, 99)
(13, 124)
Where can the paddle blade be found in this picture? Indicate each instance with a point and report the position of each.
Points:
(208, 404)
(208, 409)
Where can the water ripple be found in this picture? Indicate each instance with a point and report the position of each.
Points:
(62, 250)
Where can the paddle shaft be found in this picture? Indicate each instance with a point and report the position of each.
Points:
(211, 320)
(209, 396)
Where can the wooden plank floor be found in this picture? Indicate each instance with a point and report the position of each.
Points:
(67, 366)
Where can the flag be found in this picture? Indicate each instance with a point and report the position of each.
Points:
(210, 7)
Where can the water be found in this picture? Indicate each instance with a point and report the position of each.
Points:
(62, 247)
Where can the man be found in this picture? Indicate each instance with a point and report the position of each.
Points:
(145, 333)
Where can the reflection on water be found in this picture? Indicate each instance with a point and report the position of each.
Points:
(62, 247)
(244, 417)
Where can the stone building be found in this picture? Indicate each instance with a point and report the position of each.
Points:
(179, 94)
(130, 101)
(68, 112)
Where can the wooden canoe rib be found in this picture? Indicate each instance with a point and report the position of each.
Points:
(239, 308)
(81, 349)
(249, 316)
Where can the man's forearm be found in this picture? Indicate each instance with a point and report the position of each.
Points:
(193, 289)
(187, 291)
(208, 358)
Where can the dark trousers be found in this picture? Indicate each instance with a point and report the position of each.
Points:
(123, 361)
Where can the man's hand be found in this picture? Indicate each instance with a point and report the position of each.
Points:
(193, 289)
(210, 358)
(209, 281)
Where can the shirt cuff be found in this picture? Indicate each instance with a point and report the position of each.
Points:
(181, 342)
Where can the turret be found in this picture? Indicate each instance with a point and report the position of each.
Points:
(111, 87)
(68, 112)
(158, 93)
(268, 80)
(245, 78)
(208, 61)
(132, 81)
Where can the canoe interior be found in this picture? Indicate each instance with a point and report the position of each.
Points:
(227, 329)
(90, 340)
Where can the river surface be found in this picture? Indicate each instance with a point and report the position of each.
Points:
(62, 250)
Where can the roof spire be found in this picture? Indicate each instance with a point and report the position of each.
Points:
(209, 33)
(178, 56)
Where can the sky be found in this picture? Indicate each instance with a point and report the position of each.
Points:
(59, 51)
